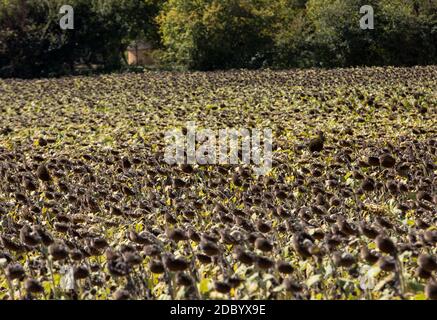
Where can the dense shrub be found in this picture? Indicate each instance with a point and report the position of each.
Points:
(211, 34)
(216, 34)
(404, 34)
(33, 44)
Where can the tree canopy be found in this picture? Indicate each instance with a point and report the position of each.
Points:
(216, 34)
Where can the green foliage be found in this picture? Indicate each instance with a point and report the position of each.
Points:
(213, 34)
(409, 32)
(33, 44)
(404, 32)
(291, 34)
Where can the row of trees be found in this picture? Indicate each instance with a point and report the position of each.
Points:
(33, 44)
(209, 34)
(216, 34)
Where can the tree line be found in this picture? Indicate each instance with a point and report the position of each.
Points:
(215, 34)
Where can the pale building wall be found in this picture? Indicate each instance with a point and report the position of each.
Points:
(143, 58)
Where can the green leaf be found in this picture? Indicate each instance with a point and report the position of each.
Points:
(204, 285)
(313, 280)
(420, 296)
